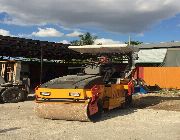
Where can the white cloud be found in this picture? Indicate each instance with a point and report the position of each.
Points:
(64, 42)
(68, 28)
(5, 32)
(140, 35)
(22, 35)
(106, 41)
(123, 16)
(74, 34)
(47, 32)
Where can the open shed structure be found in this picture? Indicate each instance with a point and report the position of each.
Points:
(159, 64)
(37, 60)
(28, 48)
(43, 58)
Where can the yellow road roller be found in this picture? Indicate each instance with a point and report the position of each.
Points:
(101, 85)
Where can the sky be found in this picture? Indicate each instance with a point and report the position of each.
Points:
(113, 21)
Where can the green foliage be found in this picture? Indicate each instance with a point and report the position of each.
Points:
(85, 39)
(134, 42)
(75, 43)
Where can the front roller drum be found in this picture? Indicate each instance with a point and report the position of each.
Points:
(66, 111)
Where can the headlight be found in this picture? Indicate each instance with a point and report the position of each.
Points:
(74, 94)
(45, 93)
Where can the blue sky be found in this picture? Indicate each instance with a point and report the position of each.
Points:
(112, 21)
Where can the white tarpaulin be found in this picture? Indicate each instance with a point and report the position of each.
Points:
(151, 56)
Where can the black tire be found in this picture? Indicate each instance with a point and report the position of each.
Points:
(1, 99)
(12, 95)
(96, 117)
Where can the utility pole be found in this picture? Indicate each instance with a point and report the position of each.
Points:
(129, 40)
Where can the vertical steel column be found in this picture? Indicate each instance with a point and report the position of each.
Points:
(41, 70)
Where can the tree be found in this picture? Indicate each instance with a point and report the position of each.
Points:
(75, 43)
(85, 39)
(134, 42)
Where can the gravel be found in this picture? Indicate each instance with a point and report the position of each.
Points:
(18, 121)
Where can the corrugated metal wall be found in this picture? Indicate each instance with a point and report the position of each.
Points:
(165, 77)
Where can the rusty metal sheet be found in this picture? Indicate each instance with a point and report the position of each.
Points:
(62, 111)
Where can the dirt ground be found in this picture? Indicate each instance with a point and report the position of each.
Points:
(151, 117)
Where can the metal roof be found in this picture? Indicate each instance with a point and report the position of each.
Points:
(159, 45)
(102, 49)
(28, 48)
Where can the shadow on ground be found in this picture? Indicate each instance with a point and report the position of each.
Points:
(117, 112)
(157, 102)
(9, 129)
(160, 102)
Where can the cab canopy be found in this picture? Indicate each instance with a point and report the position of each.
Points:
(104, 49)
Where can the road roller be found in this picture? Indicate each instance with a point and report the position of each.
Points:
(105, 82)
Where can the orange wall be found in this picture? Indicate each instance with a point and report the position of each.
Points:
(165, 77)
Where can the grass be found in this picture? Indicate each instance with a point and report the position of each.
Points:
(170, 91)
